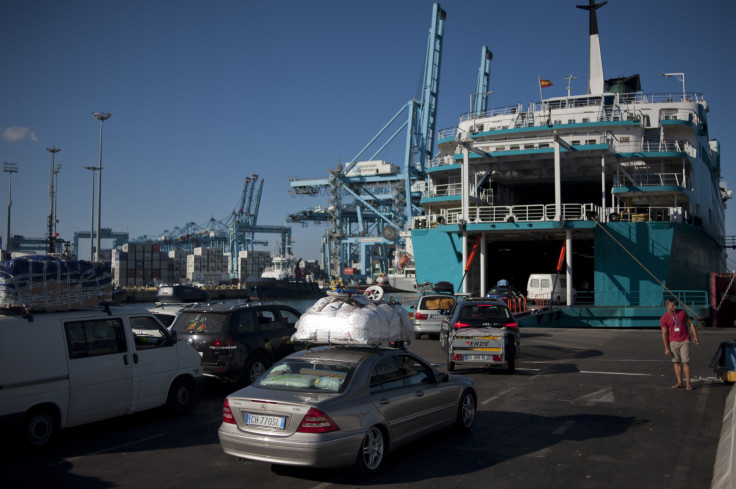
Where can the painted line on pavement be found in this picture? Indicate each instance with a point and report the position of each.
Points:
(613, 373)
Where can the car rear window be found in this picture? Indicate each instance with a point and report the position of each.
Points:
(436, 303)
(484, 311)
(294, 374)
(201, 323)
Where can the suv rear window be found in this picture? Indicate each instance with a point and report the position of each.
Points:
(484, 311)
(202, 323)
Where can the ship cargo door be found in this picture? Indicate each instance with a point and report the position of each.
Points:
(516, 260)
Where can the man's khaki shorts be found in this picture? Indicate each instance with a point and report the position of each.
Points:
(680, 351)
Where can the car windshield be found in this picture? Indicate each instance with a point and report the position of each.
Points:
(201, 323)
(296, 374)
(484, 311)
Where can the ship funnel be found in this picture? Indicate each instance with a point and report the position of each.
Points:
(595, 73)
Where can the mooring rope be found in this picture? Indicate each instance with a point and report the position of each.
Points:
(691, 311)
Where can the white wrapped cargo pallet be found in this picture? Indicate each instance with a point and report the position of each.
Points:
(353, 319)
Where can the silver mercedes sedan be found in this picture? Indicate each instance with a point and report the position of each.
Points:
(343, 405)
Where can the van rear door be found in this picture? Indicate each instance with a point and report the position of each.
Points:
(100, 373)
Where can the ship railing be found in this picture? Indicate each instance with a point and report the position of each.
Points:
(450, 189)
(691, 298)
(521, 213)
(546, 213)
(677, 146)
(649, 180)
(646, 214)
(541, 112)
(444, 190)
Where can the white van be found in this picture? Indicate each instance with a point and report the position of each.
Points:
(64, 369)
(547, 287)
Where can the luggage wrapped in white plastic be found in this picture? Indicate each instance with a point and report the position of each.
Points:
(353, 320)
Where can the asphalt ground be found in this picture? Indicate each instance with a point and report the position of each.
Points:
(587, 408)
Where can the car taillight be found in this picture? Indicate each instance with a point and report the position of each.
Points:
(227, 414)
(419, 315)
(511, 325)
(460, 325)
(315, 421)
(223, 344)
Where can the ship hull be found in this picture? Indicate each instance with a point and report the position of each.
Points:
(265, 289)
(625, 269)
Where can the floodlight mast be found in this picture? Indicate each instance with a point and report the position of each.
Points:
(92, 225)
(102, 117)
(9, 168)
(52, 239)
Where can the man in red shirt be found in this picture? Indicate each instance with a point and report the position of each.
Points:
(676, 339)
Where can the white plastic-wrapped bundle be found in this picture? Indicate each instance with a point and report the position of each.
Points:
(353, 320)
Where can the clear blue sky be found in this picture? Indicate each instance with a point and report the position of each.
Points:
(204, 93)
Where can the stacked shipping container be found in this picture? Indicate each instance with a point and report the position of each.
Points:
(138, 264)
(252, 263)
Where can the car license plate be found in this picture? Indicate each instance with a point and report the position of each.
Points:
(477, 357)
(268, 421)
(435, 316)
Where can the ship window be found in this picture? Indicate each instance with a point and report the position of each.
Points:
(575, 142)
(586, 119)
(501, 148)
(557, 122)
(590, 141)
(544, 145)
(625, 139)
(513, 147)
(571, 121)
(528, 146)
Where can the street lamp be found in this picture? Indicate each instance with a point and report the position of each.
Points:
(678, 77)
(52, 241)
(9, 168)
(102, 117)
(92, 225)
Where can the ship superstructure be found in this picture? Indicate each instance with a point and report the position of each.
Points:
(627, 181)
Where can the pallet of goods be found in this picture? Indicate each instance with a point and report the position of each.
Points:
(45, 283)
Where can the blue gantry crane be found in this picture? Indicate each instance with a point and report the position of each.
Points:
(371, 200)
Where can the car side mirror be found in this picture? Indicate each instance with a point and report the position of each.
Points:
(443, 377)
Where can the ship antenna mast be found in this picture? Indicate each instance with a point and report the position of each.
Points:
(569, 81)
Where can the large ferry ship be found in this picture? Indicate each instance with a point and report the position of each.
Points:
(622, 185)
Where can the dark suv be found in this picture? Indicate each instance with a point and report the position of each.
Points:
(479, 313)
(238, 342)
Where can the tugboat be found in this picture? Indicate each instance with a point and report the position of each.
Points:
(283, 280)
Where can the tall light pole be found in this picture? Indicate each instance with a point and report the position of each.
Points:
(9, 168)
(92, 225)
(56, 198)
(102, 117)
(52, 241)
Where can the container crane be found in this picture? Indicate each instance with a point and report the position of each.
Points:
(367, 210)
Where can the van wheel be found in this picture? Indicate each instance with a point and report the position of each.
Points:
(181, 394)
(256, 364)
(41, 427)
